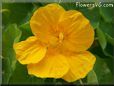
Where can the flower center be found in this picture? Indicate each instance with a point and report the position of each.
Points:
(61, 37)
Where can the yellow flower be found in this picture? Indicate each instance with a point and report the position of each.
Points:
(59, 46)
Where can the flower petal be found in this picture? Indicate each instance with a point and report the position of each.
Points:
(29, 51)
(78, 31)
(45, 20)
(80, 65)
(52, 66)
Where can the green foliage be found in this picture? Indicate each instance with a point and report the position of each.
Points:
(26, 31)
(107, 13)
(101, 38)
(92, 78)
(10, 35)
(15, 12)
(20, 76)
(16, 28)
(104, 74)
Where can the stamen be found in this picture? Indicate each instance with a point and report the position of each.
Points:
(61, 37)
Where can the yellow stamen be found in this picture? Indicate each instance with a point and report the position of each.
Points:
(61, 37)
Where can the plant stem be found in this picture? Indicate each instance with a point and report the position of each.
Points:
(81, 82)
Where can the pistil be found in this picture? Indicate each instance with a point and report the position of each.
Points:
(61, 37)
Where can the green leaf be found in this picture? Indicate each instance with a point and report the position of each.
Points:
(26, 31)
(10, 35)
(101, 38)
(103, 42)
(109, 62)
(92, 78)
(110, 39)
(107, 28)
(20, 76)
(104, 74)
(17, 12)
(105, 34)
(107, 13)
(5, 15)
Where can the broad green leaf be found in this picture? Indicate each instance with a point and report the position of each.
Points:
(101, 38)
(110, 39)
(17, 12)
(107, 13)
(103, 42)
(106, 28)
(26, 30)
(5, 15)
(109, 62)
(107, 53)
(20, 76)
(92, 78)
(102, 71)
(10, 35)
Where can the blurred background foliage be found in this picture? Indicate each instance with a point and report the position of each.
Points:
(15, 27)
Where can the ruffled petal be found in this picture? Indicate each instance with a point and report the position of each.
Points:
(80, 65)
(52, 66)
(29, 51)
(77, 30)
(44, 21)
